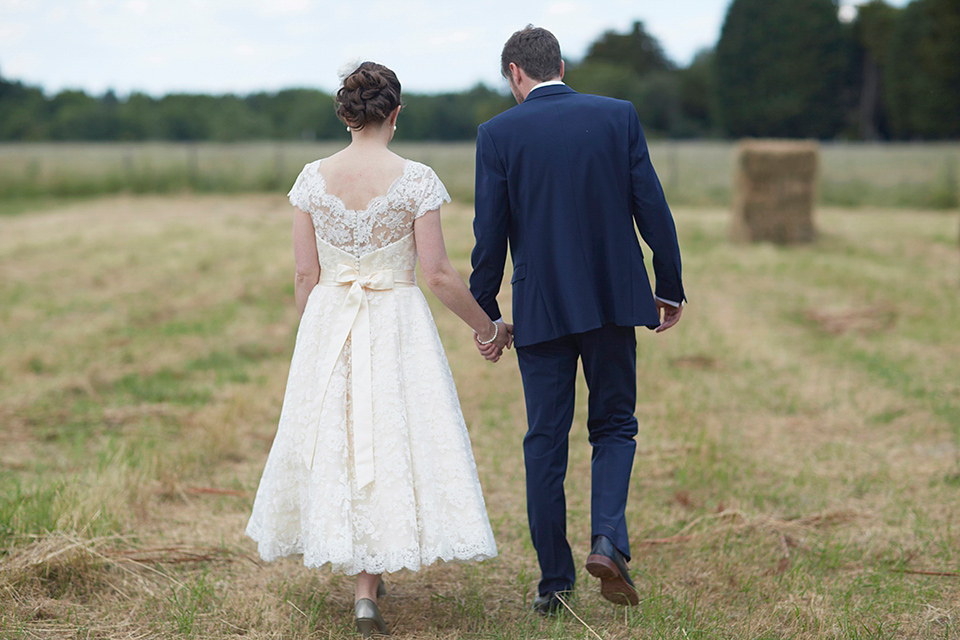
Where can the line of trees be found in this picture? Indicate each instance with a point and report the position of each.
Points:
(26, 114)
(792, 69)
(784, 69)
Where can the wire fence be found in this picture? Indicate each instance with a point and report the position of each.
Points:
(693, 173)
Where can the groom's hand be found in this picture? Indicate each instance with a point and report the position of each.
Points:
(505, 338)
(670, 315)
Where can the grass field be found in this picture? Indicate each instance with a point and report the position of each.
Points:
(923, 176)
(797, 475)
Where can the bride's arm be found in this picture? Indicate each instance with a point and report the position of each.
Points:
(305, 256)
(445, 283)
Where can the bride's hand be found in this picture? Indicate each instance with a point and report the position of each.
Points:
(494, 349)
(490, 351)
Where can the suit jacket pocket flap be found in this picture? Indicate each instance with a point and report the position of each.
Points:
(519, 272)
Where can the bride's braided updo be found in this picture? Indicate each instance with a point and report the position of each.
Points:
(368, 95)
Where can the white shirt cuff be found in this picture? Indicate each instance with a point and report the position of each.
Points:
(669, 302)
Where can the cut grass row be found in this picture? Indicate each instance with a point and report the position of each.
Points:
(796, 476)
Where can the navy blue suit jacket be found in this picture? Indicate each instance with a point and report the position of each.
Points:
(562, 178)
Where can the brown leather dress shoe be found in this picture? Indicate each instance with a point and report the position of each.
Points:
(607, 563)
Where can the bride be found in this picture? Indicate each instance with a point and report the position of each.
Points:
(371, 470)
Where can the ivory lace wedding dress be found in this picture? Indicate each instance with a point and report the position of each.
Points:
(371, 468)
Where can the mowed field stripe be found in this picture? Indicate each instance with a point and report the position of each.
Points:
(798, 458)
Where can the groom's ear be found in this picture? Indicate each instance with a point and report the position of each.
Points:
(516, 73)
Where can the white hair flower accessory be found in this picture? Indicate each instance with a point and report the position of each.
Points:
(348, 67)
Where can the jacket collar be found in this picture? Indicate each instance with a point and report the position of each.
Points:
(549, 90)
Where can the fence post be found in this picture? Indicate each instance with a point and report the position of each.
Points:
(193, 166)
(128, 167)
(674, 169)
(278, 162)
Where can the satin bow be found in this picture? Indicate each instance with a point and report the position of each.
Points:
(353, 320)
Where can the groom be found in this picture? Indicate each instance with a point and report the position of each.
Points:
(561, 179)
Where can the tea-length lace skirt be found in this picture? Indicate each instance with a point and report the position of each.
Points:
(425, 501)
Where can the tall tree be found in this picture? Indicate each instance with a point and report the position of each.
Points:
(697, 90)
(638, 50)
(780, 69)
(23, 112)
(633, 66)
(923, 71)
(871, 32)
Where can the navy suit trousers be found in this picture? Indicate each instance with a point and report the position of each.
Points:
(549, 371)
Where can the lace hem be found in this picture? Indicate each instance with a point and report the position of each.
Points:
(412, 560)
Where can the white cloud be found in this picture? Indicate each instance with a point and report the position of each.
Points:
(564, 8)
(138, 7)
(11, 32)
(284, 7)
(57, 15)
(246, 50)
(451, 38)
(20, 66)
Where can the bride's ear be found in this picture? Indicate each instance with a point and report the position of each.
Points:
(393, 116)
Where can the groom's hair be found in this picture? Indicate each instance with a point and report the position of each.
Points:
(535, 50)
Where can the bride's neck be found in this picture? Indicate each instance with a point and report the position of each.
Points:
(371, 137)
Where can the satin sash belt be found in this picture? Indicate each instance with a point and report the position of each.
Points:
(353, 320)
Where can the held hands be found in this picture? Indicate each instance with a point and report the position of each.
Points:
(669, 314)
(503, 339)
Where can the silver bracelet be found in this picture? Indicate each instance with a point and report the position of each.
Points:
(496, 332)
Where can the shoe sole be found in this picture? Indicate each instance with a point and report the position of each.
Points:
(370, 626)
(613, 586)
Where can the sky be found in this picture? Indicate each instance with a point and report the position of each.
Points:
(245, 46)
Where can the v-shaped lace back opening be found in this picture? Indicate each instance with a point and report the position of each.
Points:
(370, 203)
(387, 217)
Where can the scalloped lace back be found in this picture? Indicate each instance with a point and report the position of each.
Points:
(386, 219)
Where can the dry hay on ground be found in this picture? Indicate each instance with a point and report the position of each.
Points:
(862, 320)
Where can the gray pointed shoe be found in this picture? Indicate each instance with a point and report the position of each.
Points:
(369, 620)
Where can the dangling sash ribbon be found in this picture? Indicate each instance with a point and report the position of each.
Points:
(353, 320)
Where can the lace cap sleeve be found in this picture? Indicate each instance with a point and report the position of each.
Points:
(432, 194)
(298, 193)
